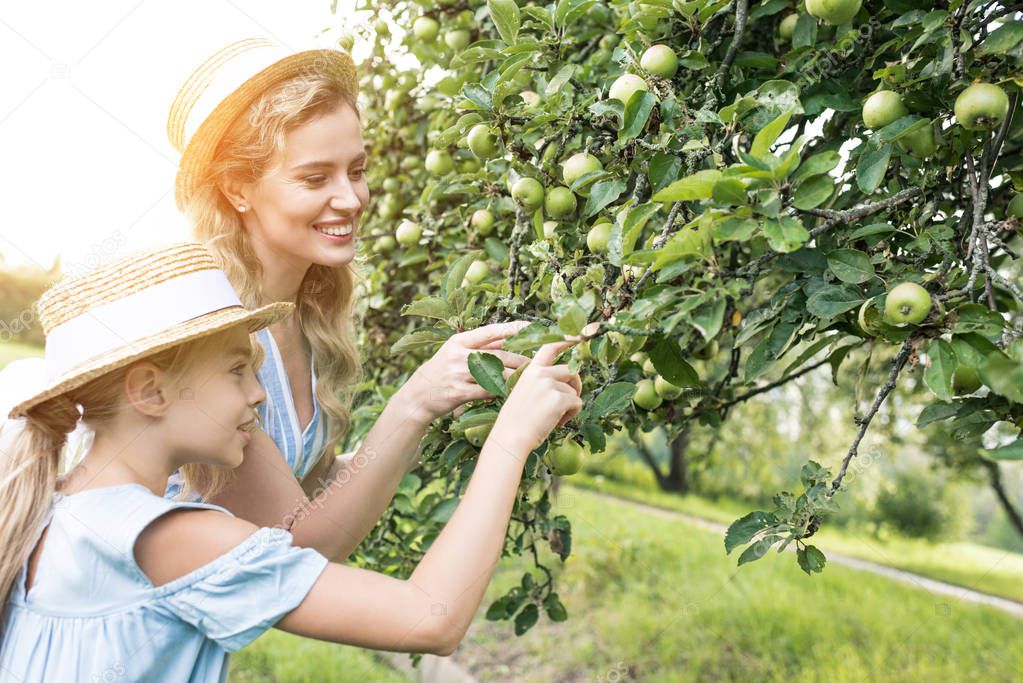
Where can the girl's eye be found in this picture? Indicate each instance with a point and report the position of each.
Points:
(313, 181)
(359, 173)
(239, 369)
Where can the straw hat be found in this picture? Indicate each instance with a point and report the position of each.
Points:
(133, 308)
(224, 86)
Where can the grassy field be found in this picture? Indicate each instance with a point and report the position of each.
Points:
(653, 599)
(979, 567)
(278, 657)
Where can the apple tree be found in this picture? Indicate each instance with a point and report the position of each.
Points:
(739, 191)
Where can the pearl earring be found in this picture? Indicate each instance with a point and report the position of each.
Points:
(242, 208)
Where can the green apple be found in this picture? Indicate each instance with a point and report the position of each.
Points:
(408, 233)
(478, 434)
(426, 29)
(483, 221)
(478, 270)
(439, 163)
(787, 26)
(483, 141)
(384, 245)
(578, 165)
(598, 236)
(907, 303)
(458, 39)
(648, 368)
(528, 193)
(625, 86)
(347, 41)
(1015, 208)
(565, 458)
(659, 60)
(666, 389)
(833, 12)
(560, 202)
(982, 106)
(530, 98)
(965, 380)
(882, 108)
(920, 143)
(549, 228)
(646, 396)
(391, 185)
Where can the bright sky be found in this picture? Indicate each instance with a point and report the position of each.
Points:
(87, 171)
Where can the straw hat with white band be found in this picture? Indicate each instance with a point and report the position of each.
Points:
(133, 308)
(223, 88)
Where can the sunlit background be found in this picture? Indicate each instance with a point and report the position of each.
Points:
(87, 169)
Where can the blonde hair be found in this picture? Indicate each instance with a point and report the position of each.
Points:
(325, 303)
(29, 469)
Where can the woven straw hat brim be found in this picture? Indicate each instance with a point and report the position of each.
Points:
(190, 330)
(200, 148)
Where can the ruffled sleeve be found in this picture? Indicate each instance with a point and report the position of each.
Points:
(244, 592)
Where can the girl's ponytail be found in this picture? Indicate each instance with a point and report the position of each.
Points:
(28, 475)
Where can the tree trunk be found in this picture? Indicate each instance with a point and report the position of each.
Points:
(677, 480)
(996, 483)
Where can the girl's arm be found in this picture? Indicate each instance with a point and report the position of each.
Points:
(430, 611)
(346, 504)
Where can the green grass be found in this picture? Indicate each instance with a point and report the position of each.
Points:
(655, 599)
(278, 657)
(985, 569)
(10, 351)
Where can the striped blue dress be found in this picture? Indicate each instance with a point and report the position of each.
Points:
(279, 419)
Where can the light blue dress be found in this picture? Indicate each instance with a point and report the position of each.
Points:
(92, 615)
(279, 418)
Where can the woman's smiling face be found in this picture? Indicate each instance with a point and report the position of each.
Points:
(306, 208)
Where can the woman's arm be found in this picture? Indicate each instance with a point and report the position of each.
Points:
(347, 503)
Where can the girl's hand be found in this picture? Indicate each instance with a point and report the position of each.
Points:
(546, 396)
(444, 383)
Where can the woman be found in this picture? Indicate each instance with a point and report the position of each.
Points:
(274, 180)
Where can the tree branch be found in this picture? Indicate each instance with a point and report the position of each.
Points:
(864, 422)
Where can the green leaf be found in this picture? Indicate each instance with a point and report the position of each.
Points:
(505, 14)
(871, 167)
(850, 265)
(1003, 38)
(938, 377)
(761, 147)
(571, 319)
(700, 185)
(555, 610)
(426, 338)
(452, 281)
(614, 398)
(832, 300)
(663, 169)
(735, 228)
(601, 194)
(1004, 376)
(757, 550)
(785, 234)
(745, 528)
(729, 191)
(637, 112)
(805, 33)
(666, 355)
(488, 371)
(813, 192)
(1012, 451)
(430, 307)
(442, 513)
(560, 79)
(533, 335)
(822, 162)
(525, 619)
(936, 412)
(625, 233)
(810, 559)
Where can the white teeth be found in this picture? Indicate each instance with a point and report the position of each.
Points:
(336, 231)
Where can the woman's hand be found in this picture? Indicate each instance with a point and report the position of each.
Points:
(444, 383)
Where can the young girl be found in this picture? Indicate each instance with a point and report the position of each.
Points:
(105, 579)
(273, 178)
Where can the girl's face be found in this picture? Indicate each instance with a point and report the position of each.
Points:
(306, 208)
(213, 413)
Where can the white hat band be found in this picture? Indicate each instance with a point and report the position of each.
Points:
(135, 317)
